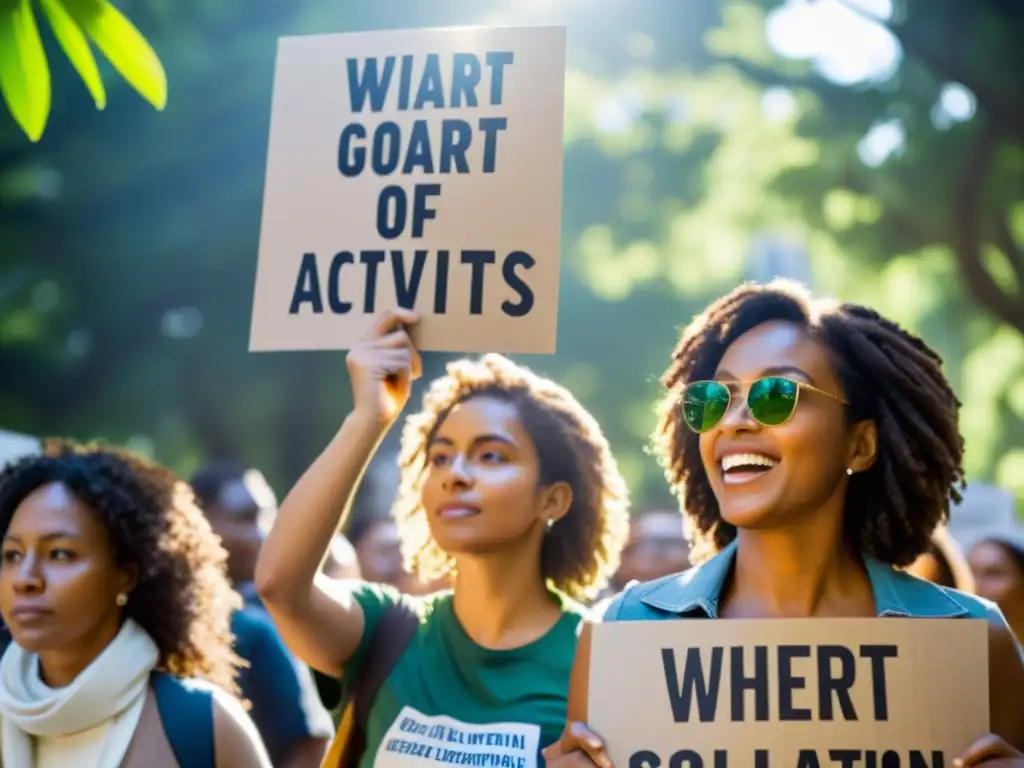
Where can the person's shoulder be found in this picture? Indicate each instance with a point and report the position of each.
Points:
(574, 615)
(251, 619)
(920, 598)
(236, 740)
(374, 598)
(573, 609)
(184, 706)
(427, 605)
(693, 593)
(255, 634)
(180, 696)
(977, 607)
(662, 598)
(1004, 646)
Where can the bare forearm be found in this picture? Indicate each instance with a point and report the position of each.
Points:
(315, 509)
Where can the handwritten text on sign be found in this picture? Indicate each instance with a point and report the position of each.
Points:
(424, 172)
(849, 693)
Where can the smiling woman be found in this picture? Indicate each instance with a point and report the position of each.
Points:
(814, 446)
(509, 489)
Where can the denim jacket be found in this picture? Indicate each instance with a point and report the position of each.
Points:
(695, 594)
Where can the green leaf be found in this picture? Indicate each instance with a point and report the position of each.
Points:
(73, 41)
(124, 46)
(24, 73)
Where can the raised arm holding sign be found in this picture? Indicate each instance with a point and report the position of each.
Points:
(815, 447)
(509, 491)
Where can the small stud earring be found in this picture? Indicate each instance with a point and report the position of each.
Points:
(551, 523)
(122, 600)
(849, 471)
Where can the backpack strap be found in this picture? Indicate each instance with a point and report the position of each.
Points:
(186, 711)
(394, 631)
(392, 634)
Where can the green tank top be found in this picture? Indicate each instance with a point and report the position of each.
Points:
(449, 701)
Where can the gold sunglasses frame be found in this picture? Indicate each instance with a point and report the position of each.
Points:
(800, 385)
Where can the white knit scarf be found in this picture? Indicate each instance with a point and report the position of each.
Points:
(112, 689)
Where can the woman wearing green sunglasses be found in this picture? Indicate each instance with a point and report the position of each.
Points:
(814, 447)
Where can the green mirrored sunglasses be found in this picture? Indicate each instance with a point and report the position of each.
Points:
(771, 401)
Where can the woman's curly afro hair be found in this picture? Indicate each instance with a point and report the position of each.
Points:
(888, 375)
(183, 598)
(582, 550)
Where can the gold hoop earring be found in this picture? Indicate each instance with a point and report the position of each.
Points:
(122, 600)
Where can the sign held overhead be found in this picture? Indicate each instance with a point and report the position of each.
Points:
(420, 169)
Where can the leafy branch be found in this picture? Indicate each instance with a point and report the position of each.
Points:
(25, 72)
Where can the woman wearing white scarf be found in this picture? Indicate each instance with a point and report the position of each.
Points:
(100, 708)
(109, 574)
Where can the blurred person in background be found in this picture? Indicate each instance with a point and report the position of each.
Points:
(114, 589)
(378, 548)
(815, 448)
(998, 566)
(240, 506)
(657, 546)
(379, 551)
(507, 484)
(341, 562)
(944, 563)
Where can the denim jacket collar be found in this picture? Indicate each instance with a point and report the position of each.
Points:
(896, 593)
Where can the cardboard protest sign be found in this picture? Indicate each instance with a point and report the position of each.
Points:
(417, 168)
(14, 446)
(791, 693)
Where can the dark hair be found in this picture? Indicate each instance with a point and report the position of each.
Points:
(208, 481)
(582, 550)
(887, 375)
(1013, 550)
(360, 524)
(183, 598)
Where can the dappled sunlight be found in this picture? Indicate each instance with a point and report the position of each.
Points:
(844, 46)
(1009, 472)
(741, 33)
(705, 143)
(844, 209)
(882, 141)
(997, 264)
(20, 326)
(988, 371)
(706, 254)
(582, 379)
(778, 104)
(1015, 398)
(912, 287)
(603, 272)
(956, 104)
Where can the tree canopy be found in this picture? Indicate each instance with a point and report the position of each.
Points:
(706, 142)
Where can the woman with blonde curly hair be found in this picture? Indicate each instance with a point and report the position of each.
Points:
(507, 486)
(114, 589)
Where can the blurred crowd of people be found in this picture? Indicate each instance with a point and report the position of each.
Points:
(287, 709)
(156, 622)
